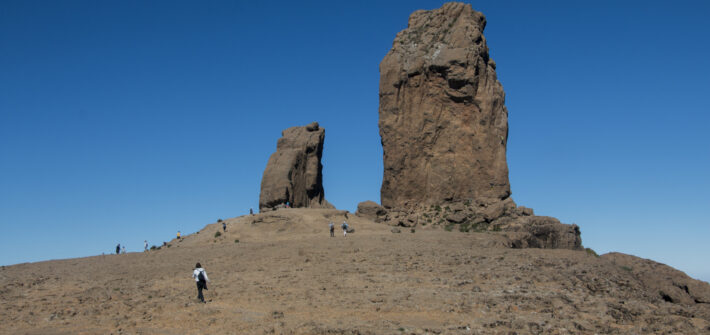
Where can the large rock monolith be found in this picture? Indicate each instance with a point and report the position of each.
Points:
(444, 129)
(443, 122)
(294, 172)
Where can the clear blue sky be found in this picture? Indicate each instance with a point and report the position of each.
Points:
(129, 120)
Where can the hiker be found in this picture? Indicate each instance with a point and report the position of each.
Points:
(123, 249)
(118, 248)
(251, 211)
(201, 279)
(332, 229)
(145, 245)
(224, 226)
(345, 228)
(178, 235)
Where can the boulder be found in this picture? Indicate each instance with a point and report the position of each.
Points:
(457, 217)
(370, 210)
(442, 115)
(522, 210)
(294, 172)
(543, 232)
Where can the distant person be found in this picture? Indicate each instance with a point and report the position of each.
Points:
(145, 245)
(224, 226)
(345, 228)
(118, 248)
(123, 249)
(201, 279)
(178, 235)
(251, 211)
(332, 229)
(288, 204)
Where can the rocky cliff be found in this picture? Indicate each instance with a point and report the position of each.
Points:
(294, 172)
(443, 122)
(444, 129)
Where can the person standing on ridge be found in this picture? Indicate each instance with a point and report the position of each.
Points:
(118, 248)
(145, 245)
(224, 226)
(251, 211)
(201, 279)
(123, 249)
(178, 235)
(332, 229)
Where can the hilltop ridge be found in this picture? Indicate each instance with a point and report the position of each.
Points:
(287, 276)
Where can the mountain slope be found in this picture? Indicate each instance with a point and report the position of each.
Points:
(286, 275)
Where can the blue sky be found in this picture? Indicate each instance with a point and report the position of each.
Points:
(124, 121)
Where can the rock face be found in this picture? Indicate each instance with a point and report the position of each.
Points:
(444, 129)
(370, 210)
(443, 122)
(293, 173)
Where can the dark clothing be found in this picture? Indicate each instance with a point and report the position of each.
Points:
(201, 285)
(224, 226)
(118, 249)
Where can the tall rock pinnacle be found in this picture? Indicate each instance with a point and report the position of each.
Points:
(444, 129)
(294, 172)
(443, 121)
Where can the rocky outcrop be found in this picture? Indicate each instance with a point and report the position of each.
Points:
(294, 172)
(443, 121)
(370, 210)
(444, 129)
(661, 281)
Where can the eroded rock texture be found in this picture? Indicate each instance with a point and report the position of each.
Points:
(293, 173)
(443, 122)
(444, 129)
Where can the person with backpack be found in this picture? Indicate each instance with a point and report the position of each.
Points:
(332, 229)
(224, 226)
(118, 248)
(201, 279)
(345, 228)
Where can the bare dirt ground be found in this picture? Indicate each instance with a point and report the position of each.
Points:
(287, 276)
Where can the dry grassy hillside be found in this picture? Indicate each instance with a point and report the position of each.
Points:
(286, 275)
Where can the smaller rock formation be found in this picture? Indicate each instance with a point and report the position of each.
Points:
(294, 172)
(517, 224)
(371, 210)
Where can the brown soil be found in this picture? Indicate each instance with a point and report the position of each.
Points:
(286, 275)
